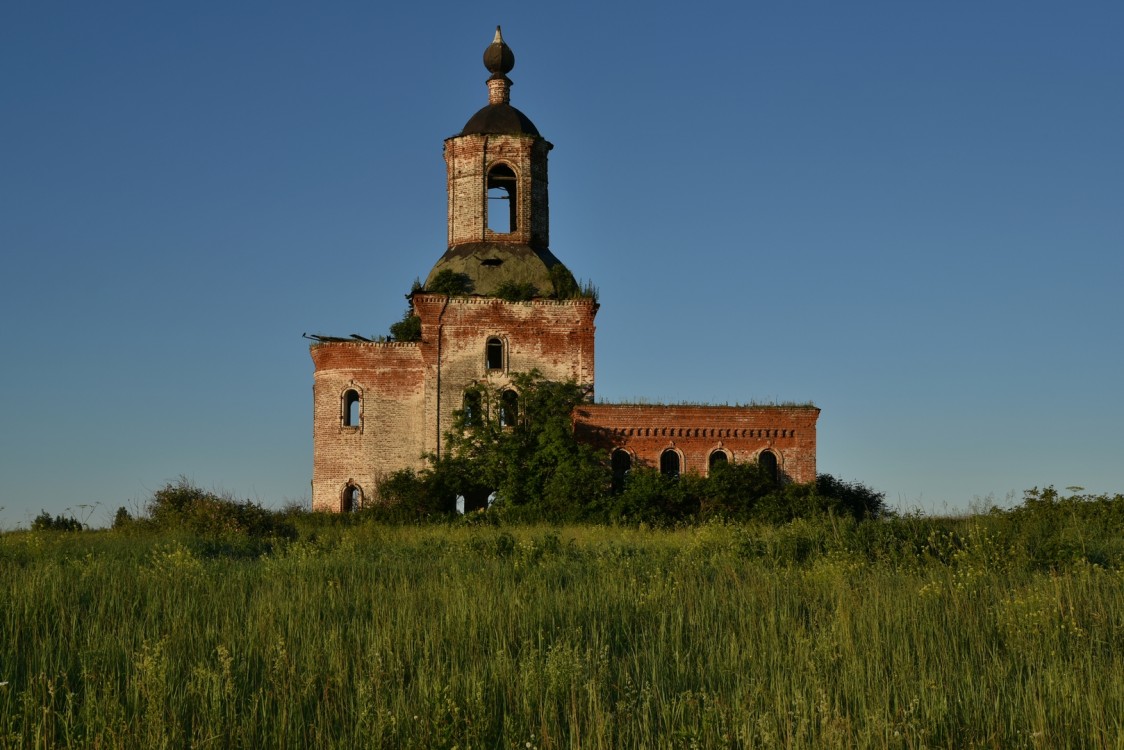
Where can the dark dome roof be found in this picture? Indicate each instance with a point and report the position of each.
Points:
(499, 119)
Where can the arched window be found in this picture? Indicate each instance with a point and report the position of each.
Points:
(669, 463)
(621, 463)
(502, 219)
(352, 498)
(509, 408)
(493, 354)
(768, 461)
(718, 458)
(351, 408)
(473, 413)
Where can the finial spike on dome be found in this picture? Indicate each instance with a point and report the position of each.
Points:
(498, 58)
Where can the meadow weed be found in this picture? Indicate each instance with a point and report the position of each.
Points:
(821, 632)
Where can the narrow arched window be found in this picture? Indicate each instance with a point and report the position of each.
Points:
(351, 408)
(473, 413)
(768, 461)
(669, 463)
(718, 458)
(352, 499)
(621, 464)
(509, 408)
(493, 354)
(502, 204)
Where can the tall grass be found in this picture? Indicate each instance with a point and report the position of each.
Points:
(813, 634)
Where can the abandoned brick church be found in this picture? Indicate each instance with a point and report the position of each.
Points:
(378, 406)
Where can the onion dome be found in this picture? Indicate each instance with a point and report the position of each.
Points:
(498, 58)
(499, 117)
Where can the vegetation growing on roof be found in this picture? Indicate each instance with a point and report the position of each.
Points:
(451, 283)
(514, 291)
(407, 329)
(753, 403)
(588, 290)
(567, 287)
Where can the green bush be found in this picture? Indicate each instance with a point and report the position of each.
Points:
(451, 283)
(122, 519)
(565, 286)
(850, 498)
(409, 495)
(407, 329)
(514, 291)
(44, 522)
(538, 471)
(531, 460)
(652, 498)
(735, 490)
(1054, 530)
(181, 505)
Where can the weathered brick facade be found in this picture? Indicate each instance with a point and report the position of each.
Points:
(695, 433)
(389, 380)
(407, 391)
(469, 158)
(379, 406)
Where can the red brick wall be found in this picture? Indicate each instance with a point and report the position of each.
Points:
(646, 430)
(468, 159)
(410, 390)
(390, 380)
(554, 337)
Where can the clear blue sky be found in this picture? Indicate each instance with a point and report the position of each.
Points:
(911, 214)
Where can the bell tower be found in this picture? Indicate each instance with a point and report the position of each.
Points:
(498, 214)
(383, 405)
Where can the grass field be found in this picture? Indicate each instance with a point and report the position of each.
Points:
(908, 633)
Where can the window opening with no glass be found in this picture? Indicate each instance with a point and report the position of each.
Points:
(669, 463)
(501, 190)
(351, 408)
(621, 464)
(352, 498)
(494, 354)
(472, 409)
(509, 408)
(768, 462)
